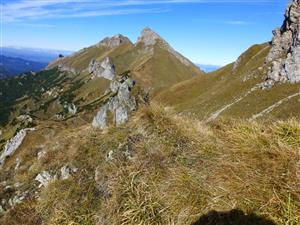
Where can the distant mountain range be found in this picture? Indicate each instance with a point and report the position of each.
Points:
(207, 68)
(17, 60)
(33, 54)
(10, 66)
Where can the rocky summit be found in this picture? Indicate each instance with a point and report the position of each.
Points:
(284, 56)
(114, 41)
(149, 37)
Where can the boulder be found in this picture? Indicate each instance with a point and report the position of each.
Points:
(44, 178)
(72, 109)
(67, 171)
(41, 154)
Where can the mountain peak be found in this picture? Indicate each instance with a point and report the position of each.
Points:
(284, 56)
(115, 41)
(149, 37)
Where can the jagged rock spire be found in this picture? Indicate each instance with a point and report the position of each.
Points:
(102, 68)
(284, 55)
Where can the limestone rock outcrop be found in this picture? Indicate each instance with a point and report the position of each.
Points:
(44, 178)
(13, 144)
(119, 105)
(114, 41)
(103, 69)
(284, 56)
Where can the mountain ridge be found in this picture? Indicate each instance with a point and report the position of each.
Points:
(141, 58)
(123, 133)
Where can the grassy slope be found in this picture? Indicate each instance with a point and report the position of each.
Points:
(205, 95)
(157, 71)
(32, 98)
(180, 170)
(151, 71)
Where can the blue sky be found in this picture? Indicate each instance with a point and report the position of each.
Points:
(205, 31)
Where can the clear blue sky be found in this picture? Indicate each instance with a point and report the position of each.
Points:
(205, 31)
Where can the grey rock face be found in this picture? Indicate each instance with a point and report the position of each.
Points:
(119, 105)
(284, 55)
(102, 69)
(13, 144)
(114, 41)
(100, 120)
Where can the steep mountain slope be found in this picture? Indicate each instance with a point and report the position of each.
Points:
(82, 81)
(245, 89)
(10, 66)
(152, 61)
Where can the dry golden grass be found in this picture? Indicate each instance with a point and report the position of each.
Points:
(168, 169)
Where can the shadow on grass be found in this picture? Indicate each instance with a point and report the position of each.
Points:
(233, 217)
